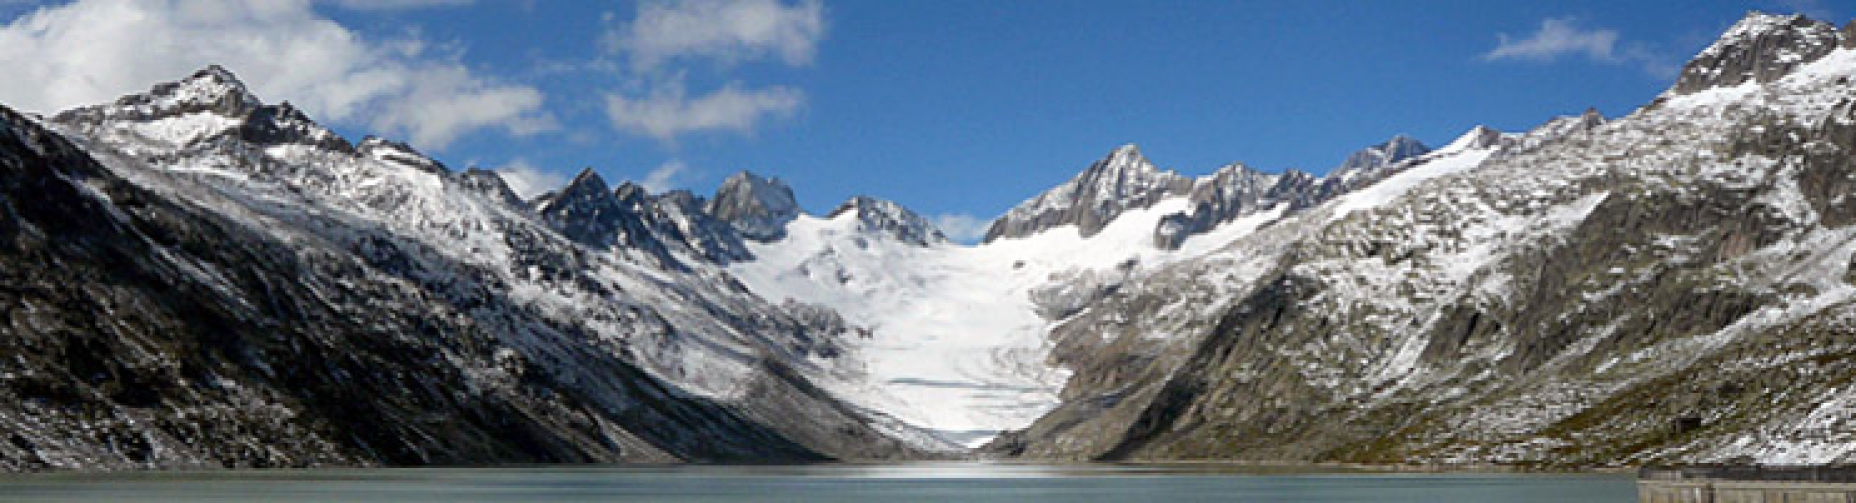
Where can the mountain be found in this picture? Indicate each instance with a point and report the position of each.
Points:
(1378, 157)
(277, 296)
(887, 217)
(1674, 285)
(757, 207)
(195, 278)
(1125, 180)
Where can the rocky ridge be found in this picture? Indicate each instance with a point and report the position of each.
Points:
(1670, 286)
(365, 305)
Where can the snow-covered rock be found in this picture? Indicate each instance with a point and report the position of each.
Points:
(603, 336)
(1124, 180)
(759, 208)
(886, 217)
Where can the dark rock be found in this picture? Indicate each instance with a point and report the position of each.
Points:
(1122, 181)
(758, 208)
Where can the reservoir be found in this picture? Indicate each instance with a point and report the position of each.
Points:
(893, 483)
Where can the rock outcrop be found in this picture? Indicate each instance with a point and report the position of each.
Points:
(758, 208)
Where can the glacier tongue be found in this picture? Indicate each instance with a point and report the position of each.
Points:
(954, 342)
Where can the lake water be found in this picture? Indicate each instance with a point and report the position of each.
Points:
(964, 482)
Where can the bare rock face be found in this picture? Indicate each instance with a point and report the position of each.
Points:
(1122, 181)
(1760, 48)
(1381, 156)
(678, 215)
(1237, 190)
(759, 208)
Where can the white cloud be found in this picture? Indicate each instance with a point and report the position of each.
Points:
(724, 30)
(385, 5)
(961, 228)
(664, 36)
(1556, 37)
(1562, 36)
(668, 111)
(91, 51)
(665, 176)
(529, 181)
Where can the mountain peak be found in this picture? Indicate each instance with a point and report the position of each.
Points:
(218, 75)
(888, 217)
(1123, 180)
(211, 90)
(586, 180)
(1127, 151)
(1376, 157)
(1759, 48)
(757, 207)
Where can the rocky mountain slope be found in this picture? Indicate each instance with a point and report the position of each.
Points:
(201, 279)
(194, 277)
(1673, 285)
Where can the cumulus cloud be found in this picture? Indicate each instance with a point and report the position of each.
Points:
(722, 30)
(667, 111)
(91, 51)
(961, 228)
(386, 5)
(1562, 36)
(529, 181)
(664, 36)
(665, 176)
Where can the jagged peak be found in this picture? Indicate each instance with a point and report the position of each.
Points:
(212, 90)
(1127, 150)
(1124, 158)
(1122, 180)
(587, 178)
(1231, 169)
(218, 75)
(1761, 47)
(757, 207)
(867, 204)
(751, 178)
(631, 192)
(1399, 148)
(889, 217)
(1756, 22)
(490, 182)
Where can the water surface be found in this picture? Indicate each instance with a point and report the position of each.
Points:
(965, 482)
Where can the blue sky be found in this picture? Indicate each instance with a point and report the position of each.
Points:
(955, 108)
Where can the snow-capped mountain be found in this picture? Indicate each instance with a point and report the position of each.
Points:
(955, 337)
(1378, 157)
(367, 305)
(888, 218)
(1670, 285)
(1125, 180)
